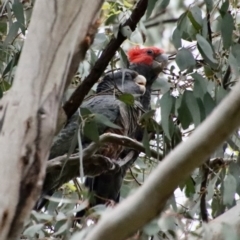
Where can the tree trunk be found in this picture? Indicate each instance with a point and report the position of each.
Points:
(29, 110)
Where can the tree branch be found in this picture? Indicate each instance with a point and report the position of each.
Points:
(61, 169)
(28, 113)
(92, 161)
(203, 207)
(121, 140)
(135, 211)
(154, 24)
(77, 97)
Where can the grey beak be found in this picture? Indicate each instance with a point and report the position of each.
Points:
(163, 58)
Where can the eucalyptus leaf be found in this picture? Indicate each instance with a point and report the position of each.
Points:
(172, 201)
(141, 164)
(150, 7)
(211, 187)
(177, 136)
(33, 230)
(79, 208)
(176, 38)
(127, 98)
(126, 31)
(147, 115)
(192, 105)
(42, 217)
(52, 206)
(204, 29)
(5, 86)
(145, 142)
(69, 207)
(151, 228)
(11, 64)
(234, 64)
(194, 209)
(224, 8)
(162, 84)
(13, 31)
(3, 27)
(61, 217)
(100, 41)
(209, 103)
(216, 206)
(189, 188)
(90, 130)
(125, 190)
(227, 27)
(235, 50)
(167, 105)
(195, 16)
(85, 112)
(93, 57)
(206, 50)
(221, 93)
(229, 186)
(100, 118)
(138, 36)
(61, 227)
(123, 58)
(209, 5)
(167, 222)
(200, 85)
(99, 209)
(234, 170)
(164, 4)
(185, 59)
(17, 8)
(182, 24)
(183, 113)
(201, 108)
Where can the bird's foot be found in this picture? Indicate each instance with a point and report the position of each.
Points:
(110, 203)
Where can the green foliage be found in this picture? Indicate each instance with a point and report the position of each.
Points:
(127, 98)
(90, 122)
(185, 59)
(176, 38)
(204, 44)
(167, 106)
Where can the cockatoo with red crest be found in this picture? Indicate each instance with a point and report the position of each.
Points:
(148, 62)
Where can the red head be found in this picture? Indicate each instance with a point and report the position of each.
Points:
(144, 55)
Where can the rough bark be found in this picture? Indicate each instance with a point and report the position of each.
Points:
(135, 211)
(28, 113)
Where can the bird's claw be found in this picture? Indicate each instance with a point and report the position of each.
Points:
(110, 203)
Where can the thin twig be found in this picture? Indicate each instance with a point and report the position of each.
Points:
(171, 20)
(77, 97)
(78, 187)
(203, 205)
(140, 184)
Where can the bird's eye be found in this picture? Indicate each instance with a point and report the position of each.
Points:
(150, 52)
(127, 75)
